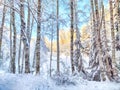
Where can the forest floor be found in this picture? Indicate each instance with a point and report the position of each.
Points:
(44, 82)
(32, 82)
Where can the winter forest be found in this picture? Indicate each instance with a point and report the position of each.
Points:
(59, 44)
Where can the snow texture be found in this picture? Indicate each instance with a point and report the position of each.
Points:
(31, 82)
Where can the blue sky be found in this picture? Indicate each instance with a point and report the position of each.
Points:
(84, 10)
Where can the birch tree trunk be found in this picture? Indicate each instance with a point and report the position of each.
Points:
(93, 38)
(106, 56)
(78, 56)
(58, 52)
(99, 46)
(117, 23)
(72, 35)
(19, 53)
(24, 37)
(38, 37)
(51, 54)
(2, 26)
(10, 36)
(112, 33)
(34, 58)
(28, 21)
(96, 60)
(13, 68)
(23, 60)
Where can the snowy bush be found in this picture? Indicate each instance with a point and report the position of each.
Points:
(118, 66)
(64, 79)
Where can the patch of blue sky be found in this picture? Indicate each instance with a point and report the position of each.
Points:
(84, 10)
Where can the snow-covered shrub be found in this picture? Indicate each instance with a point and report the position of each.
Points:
(64, 79)
(118, 66)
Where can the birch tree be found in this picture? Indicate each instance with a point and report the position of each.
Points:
(24, 36)
(78, 61)
(51, 54)
(72, 34)
(2, 26)
(58, 53)
(117, 23)
(10, 35)
(38, 37)
(28, 21)
(97, 63)
(13, 66)
(93, 50)
(112, 32)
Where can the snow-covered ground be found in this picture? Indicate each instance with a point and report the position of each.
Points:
(44, 82)
(32, 82)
